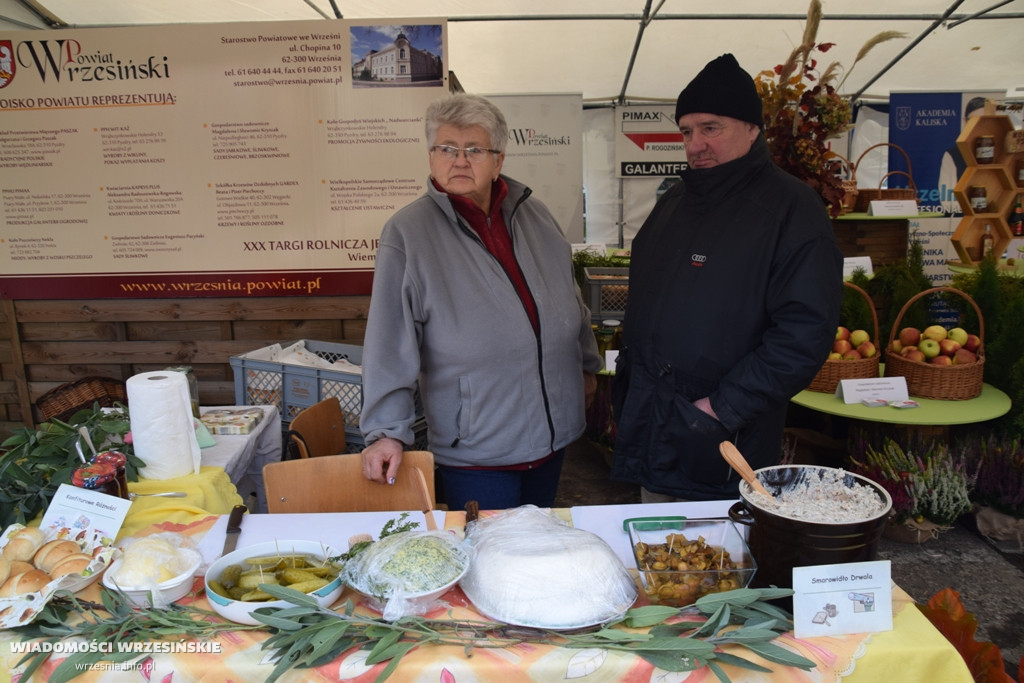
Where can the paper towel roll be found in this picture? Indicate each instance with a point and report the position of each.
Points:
(160, 410)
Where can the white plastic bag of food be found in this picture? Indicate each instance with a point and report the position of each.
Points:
(405, 573)
(532, 569)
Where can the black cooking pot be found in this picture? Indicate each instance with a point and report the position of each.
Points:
(779, 543)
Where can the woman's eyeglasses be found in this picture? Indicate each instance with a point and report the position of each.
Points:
(473, 154)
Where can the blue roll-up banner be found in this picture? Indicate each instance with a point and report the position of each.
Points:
(925, 126)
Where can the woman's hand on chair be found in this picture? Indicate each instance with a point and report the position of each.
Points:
(381, 460)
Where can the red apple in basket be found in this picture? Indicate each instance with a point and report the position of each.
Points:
(915, 355)
(973, 343)
(858, 337)
(936, 332)
(897, 346)
(842, 333)
(929, 347)
(910, 336)
(867, 349)
(941, 360)
(835, 356)
(907, 349)
(852, 354)
(948, 347)
(841, 346)
(964, 357)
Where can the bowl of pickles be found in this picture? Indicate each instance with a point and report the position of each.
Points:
(234, 583)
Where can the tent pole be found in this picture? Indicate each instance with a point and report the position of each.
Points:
(644, 21)
(907, 49)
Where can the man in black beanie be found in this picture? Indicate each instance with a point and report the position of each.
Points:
(735, 284)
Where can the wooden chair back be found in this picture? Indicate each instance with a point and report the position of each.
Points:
(319, 429)
(335, 483)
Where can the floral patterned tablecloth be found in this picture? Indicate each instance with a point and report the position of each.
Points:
(913, 648)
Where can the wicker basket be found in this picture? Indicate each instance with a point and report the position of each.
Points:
(866, 195)
(67, 399)
(833, 371)
(943, 382)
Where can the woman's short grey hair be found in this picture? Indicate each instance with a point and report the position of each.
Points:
(463, 111)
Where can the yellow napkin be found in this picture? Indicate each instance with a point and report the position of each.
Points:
(208, 493)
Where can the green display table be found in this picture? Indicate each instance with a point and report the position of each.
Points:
(990, 404)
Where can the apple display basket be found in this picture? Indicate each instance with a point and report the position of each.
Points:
(866, 195)
(832, 371)
(943, 382)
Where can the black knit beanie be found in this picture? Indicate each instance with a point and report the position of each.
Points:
(722, 88)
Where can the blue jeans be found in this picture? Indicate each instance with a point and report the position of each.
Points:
(502, 489)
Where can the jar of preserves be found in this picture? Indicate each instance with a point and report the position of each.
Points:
(978, 196)
(985, 149)
(120, 462)
(97, 476)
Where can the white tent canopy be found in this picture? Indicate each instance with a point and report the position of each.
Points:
(635, 50)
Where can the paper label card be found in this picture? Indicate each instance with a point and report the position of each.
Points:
(852, 263)
(610, 356)
(886, 389)
(892, 207)
(80, 513)
(836, 599)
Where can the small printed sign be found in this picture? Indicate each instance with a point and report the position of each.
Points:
(80, 513)
(836, 599)
(892, 207)
(887, 389)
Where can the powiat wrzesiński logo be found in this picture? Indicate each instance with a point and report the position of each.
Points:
(6, 62)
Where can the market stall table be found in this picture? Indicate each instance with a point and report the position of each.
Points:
(913, 647)
(939, 415)
(243, 455)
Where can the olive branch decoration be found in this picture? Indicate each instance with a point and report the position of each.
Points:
(306, 635)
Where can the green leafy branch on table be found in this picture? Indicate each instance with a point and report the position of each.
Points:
(34, 462)
(115, 620)
(306, 635)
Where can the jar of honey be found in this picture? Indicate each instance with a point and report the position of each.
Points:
(97, 476)
(120, 462)
(985, 149)
(979, 198)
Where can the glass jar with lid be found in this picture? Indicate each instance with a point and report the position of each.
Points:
(978, 196)
(985, 149)
(97, 476)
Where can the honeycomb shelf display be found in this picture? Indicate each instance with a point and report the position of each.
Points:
(998, 180)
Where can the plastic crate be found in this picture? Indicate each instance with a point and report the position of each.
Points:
(292, 388)
(607, 289)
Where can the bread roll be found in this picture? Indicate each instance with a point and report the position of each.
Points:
(72, 564)
(28, 582)
(5, 571)
(53, 552)
(24, 544)
(20, 567)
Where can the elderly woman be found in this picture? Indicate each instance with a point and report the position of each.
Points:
(474, 302)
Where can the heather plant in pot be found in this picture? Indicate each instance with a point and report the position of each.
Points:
(929, 483)
(998, 491)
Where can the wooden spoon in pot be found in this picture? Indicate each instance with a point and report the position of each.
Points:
(739, 463)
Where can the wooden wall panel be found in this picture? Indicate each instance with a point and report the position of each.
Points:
(44, 344)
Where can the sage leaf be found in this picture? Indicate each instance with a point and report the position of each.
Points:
(780, 655)
(671, 661)
(709, 604)
(649, 615)
(719, 672)
(379, 652)
(715, 623)
(740, 662)
(290, 594)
